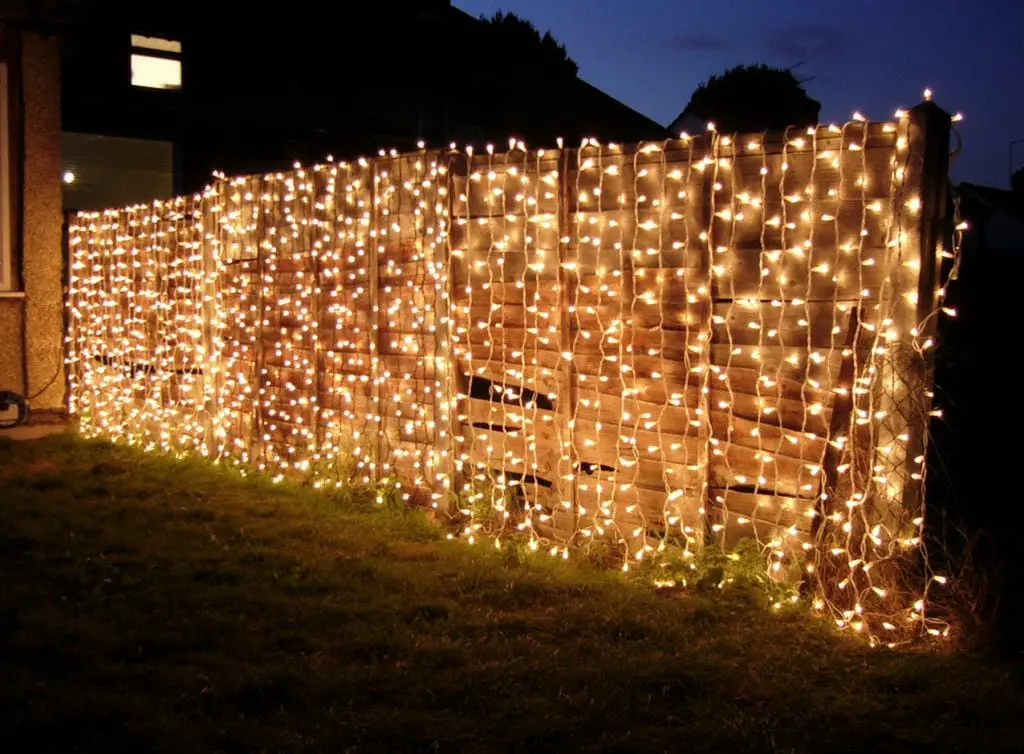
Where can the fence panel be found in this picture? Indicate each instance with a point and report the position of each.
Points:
(625, 348)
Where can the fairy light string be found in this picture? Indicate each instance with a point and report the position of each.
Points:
(624, 349)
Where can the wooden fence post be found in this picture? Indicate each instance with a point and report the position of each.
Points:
(457, 384)
(257, 444)
(377, 441)
(707, 505)
(444, 362)
(567, 398)
(928, 173)
(213, 257)
(840, 424)
(313, 231)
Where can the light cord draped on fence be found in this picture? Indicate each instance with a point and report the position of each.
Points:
(631, 349)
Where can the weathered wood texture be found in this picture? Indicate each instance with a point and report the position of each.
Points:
(611, 343)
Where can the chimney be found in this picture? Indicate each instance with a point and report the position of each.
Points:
(1017, 185)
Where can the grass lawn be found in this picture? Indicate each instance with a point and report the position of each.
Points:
(153, 605)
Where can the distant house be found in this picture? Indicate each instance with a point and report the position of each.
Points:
(31, 259)
(995, 216)
(158, 95)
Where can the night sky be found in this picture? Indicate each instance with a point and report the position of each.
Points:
(868, 55)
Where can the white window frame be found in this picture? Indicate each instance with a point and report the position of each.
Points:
(159, 51)
(7, 276)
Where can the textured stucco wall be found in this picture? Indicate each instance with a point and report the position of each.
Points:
(42, 251)
(11, 352)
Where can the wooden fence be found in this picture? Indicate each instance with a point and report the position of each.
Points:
(632, 347)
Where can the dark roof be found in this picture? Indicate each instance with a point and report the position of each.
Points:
(438, 78)
(589, 99)
(979, 203)
(42, 15)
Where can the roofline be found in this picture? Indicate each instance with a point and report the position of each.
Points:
(653, 123)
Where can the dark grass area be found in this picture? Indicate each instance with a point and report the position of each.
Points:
(153, 605)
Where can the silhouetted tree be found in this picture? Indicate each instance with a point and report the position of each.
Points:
(753, 98)
(515, 42)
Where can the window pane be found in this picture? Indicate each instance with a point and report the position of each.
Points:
(155, 43)
(113, 171)
(156, 73)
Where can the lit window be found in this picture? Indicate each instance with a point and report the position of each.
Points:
(156, 73)
(156, 62)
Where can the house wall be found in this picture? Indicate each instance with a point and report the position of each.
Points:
(31, 319)
(240, 110)
(12, 362)
(1003, 232)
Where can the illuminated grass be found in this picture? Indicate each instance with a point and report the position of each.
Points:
(153, 605)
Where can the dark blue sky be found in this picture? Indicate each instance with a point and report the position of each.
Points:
(869, 55)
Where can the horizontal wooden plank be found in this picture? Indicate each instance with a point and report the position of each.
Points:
(634, 366)
(524, 293)
(732, 465)
(790, 219)
(513, 452)
(395, 273)
(514, 376)
(408, 432)
(675, 345)
(510, 233)
(674, 316)
(820, 366)
(634, 506)
(611, 182)
(344, 340)
(671, 421)
(659, 391)
(606, 444)
(816, 275)
(483, 314)
(782, 412)
(613, 240)
(417, 409)
(807, 325)
(779, 524)
(767, 437)
(779, 509)
(501, 267)
(398, 344)
(774, 539)
(530, 418)
(645, 472)
(342, 382)
(345, 270)
(530, 339)
(414, 388)
(766, 385)
(495, 353)
(407, 367)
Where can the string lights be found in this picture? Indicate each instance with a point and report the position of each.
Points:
(623, 348)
